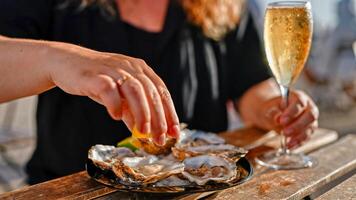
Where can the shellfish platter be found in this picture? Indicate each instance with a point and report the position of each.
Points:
(197, 162)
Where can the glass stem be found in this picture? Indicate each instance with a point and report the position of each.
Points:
(284, 105)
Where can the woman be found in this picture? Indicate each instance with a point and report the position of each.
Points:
(206, 53)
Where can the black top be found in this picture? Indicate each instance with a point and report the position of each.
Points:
(200, 73)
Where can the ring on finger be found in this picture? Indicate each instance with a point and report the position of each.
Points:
(121, 80)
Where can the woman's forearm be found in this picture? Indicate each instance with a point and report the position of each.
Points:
(22, 68)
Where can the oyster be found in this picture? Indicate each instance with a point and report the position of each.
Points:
(195, 143)
(224, 150)
(205, 168)
(198, 138)
(187, 138)
(154, 149)
(173, 181)
(104, 156)
(145, 170)
(145, 142)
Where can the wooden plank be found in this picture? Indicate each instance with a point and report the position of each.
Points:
(76, 186)
(334, 160)
(321, 137)
(80, 186)
(345, 191)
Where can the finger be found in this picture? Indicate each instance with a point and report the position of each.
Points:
(314, 125)
(314, 110)
(158, 119)
(170, 113)
(293, 144)
(301, 123)
(127, 116)
(296, 106)
(134, 93)
(297, 140)
(168, 106)
(139, 66)
(104, 90)
(293, 110)
(273, 114)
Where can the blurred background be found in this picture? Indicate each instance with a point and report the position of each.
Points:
(329, 77)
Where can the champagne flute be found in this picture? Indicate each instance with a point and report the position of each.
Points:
(288, 28)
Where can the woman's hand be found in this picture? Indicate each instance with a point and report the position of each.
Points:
(260, 106)
(296, 121)
(126, 86)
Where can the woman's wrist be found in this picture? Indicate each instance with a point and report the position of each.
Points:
(59, 56)
(46, 57)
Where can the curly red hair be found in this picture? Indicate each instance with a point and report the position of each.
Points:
(214, 17)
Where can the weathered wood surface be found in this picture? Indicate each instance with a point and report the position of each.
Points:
(344, 191)
(74, 186)
(80, 186)
(335, 160)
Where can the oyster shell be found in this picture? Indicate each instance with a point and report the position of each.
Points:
(154, 149)
(224, 150)
(145, 170)
(187, 138)
(205, 168)
(104, 156)
(198, 138)
(173, 181)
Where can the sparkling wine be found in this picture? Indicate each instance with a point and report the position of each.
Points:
(287, 36)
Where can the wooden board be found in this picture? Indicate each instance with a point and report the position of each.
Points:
(345, 191)
(251, 138)
(80, 186)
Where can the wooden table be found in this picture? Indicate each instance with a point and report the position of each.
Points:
(336, 159)
(345, 191)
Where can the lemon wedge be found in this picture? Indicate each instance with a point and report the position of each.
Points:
(130, 143)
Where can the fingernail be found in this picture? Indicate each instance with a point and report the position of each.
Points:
(285, 120)
(288, 131)
(115, 117)
(161, 140)
(146, 128)
(175, 132)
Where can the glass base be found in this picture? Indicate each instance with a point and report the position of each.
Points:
(277, 160)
